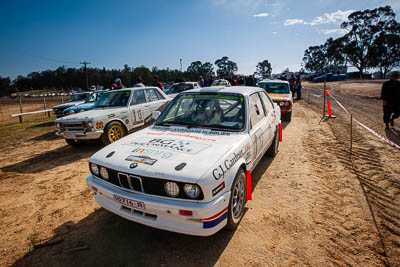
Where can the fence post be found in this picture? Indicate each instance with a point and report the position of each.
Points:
(351, 134)
(62, 99)
(21, 117)
(45, 106)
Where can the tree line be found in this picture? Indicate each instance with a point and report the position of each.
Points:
(372, 41)
(73, 78)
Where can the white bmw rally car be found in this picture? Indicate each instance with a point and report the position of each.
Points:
(188, 172)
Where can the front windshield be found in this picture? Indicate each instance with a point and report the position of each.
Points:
(113, 99)
(220, 111)
(78, 97)
(92, 97)
(275, 88)
(177, 88)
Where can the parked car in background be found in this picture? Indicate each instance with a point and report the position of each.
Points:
(177, 88)
(115, 114)
(221, 82)
(279, 91)
(75, 99)
(187, 172)
(87, 105)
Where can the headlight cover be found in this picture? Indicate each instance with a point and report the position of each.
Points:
(104, 173)
(58, 125)
(94, 168)
(287, 104)
(172, 189)
(281, 103)
(191, 190)
(71, 112)
(89, 124)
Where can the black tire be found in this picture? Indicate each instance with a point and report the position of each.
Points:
(73, 143)
(235, 213)
(273, 149)
(288, 116)
(113, 132)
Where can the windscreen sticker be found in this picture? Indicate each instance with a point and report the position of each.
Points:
(172, 144)
(183, 135)
(141, 159)
(193, 130)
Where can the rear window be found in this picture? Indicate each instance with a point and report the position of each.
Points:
(275, 88)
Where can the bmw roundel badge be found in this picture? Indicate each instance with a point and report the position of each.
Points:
(133, 165)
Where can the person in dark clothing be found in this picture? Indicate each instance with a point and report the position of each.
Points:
(157, 82)
(297, 86)
(390, 95)
(292, 81)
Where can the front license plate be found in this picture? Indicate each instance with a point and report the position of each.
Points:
(70, 135)
(129, 202)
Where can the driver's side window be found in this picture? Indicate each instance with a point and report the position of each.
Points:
(138, 97)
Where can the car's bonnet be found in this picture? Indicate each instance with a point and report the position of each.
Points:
(68, 104)
(168, 152)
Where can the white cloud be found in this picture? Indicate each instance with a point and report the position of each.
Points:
(290, 22)
(261, 15)
(332, 18)
(337, 31)
(274, 32)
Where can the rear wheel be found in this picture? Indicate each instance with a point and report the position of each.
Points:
(237, 200)
(288, 116)
(113, 132)
(273, 149)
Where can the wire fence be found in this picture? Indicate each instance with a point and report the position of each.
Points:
(19, 105)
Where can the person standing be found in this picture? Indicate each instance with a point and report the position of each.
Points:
(157, 82)
(292, 81)
(390, 94)
(298, 87)
(117, 84)
(139, 82)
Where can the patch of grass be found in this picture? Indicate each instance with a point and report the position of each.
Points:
(13, 133)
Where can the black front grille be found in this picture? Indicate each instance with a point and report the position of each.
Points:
(147, 185)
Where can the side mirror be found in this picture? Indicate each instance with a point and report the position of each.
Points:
(155, 114)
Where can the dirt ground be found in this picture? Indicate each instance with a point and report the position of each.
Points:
(311, 206)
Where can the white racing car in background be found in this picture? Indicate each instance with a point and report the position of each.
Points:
(115, 114)
(188, 172)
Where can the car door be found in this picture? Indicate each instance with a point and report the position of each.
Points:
(138, 107)
(258, 126)
(269, 120)
(155, 99)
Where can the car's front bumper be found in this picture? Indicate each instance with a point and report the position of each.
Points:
(80, 135)
(208, 218)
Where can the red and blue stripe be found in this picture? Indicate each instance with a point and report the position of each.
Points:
(216, 219)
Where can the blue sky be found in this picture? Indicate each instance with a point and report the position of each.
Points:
(40, 35)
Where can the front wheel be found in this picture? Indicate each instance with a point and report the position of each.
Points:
(73, 143)
(237, 200)
(113, 132)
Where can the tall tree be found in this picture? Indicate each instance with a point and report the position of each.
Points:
(264, 69)
(315, 58)
(363, 28)
(226, 67)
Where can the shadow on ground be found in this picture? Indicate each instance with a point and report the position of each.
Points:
(393, 135)
(54, 158)
(105, 239)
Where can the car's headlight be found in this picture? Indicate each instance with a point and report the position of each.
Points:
(89, 124)
(192, 190)
(172, 189)
(104, 173)
(287, 104)
(71, 112)
(58, 125)
(94, 168)
(281, 103)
